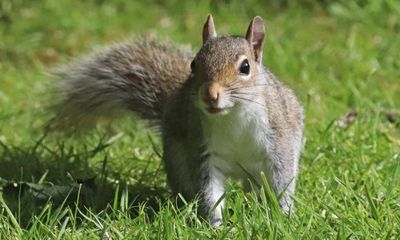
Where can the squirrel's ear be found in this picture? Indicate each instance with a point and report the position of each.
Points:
(255, 36)
(209, 29)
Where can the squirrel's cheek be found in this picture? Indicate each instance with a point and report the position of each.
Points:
(202, 93)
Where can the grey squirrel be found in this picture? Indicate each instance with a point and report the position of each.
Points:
(221, 113)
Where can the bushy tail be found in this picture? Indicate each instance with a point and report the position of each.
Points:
(133, 76)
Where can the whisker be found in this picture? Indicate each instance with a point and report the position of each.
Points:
(250, 86)
(249, 100)
(245, 90)
(250, 94)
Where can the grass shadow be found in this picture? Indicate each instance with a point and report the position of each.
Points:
(59, 175)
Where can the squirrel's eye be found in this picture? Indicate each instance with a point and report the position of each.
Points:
(192, 65)
(245, 67)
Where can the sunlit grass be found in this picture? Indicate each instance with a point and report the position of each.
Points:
(338, 57)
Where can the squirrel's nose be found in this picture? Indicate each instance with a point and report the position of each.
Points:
(214, 92)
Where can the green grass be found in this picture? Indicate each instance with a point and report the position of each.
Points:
(338, 57)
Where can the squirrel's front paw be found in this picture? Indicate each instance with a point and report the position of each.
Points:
(216, 222)
(287, 206)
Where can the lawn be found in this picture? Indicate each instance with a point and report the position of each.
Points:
(342, 58)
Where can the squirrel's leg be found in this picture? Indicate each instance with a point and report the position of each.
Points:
(281, 172)
(284, 186)
(194, 178)
(212, 193)
(180, 177)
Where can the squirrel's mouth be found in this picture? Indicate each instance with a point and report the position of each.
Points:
(214, 110)
(218, 105)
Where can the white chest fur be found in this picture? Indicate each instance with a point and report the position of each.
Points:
(237, 141)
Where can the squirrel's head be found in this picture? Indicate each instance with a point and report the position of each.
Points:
(226, 68)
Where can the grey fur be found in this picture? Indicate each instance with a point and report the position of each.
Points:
(132, 76)
(201, 149)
